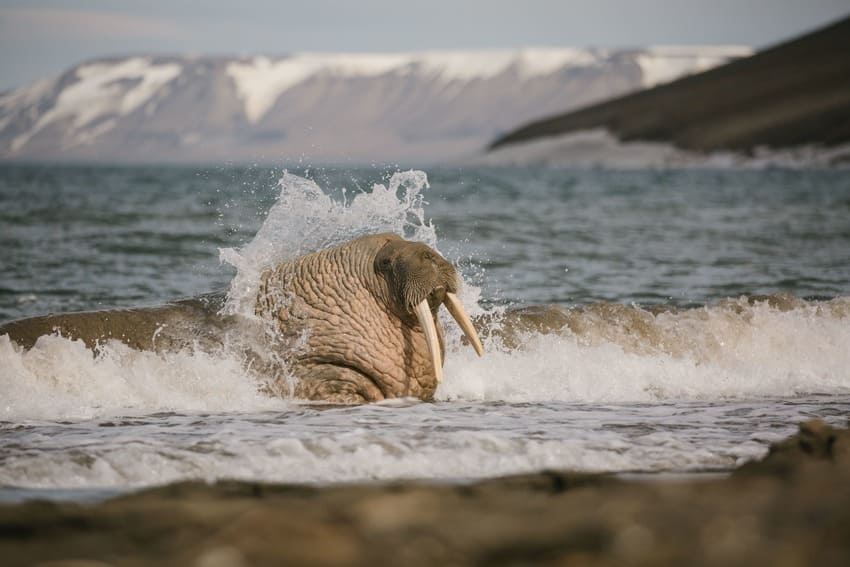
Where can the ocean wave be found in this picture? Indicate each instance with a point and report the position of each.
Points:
(739, 348)
(777, 346)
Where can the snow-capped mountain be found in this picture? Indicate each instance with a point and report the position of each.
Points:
(420, 107)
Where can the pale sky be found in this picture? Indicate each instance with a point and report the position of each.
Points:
(40, 39)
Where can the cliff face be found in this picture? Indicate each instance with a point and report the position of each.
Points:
(424, 107)
(793, 94)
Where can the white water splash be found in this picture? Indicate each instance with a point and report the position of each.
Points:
(305, 219)
(60, 378)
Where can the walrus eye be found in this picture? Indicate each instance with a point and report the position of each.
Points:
(384, 264)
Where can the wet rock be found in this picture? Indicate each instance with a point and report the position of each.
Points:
(816, 446)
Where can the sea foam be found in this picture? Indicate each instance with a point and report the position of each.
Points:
(60, 378)
(731, 350)
(305, 219)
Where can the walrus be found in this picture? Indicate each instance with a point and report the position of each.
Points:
(356, 322)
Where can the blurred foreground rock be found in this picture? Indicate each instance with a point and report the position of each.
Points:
(791, 508)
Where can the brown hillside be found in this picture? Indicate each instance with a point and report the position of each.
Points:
(795, 93)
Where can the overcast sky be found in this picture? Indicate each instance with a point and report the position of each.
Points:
(42, 38)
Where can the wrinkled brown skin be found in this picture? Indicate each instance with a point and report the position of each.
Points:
(354, 303)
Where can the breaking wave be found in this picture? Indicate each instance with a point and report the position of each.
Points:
(605, 353)
(740, 348)
(737, 348)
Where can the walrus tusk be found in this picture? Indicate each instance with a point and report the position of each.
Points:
(426, 320)
(457, 311)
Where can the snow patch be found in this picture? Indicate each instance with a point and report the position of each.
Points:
(26, 95)
(471, 65)
(102, 90)
(261, 80)
(22, 98)
(662, 64)
(88, 136)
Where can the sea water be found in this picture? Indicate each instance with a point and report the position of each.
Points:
(663, 365)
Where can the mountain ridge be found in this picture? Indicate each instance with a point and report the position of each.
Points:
(420, 106)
